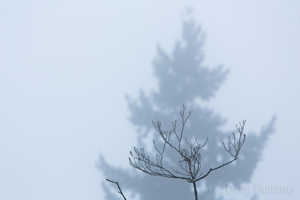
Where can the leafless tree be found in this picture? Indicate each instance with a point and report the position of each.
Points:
(190, 163)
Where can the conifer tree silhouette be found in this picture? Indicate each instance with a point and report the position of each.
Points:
(182, 79)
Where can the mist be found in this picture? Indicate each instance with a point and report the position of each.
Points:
(66, 68)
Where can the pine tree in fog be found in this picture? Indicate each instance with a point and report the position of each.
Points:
(183, 79)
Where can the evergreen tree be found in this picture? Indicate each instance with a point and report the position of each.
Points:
(182, 79)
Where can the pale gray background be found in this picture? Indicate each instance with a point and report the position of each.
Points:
(65, 67)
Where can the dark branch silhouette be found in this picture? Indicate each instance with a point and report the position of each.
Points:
(120, 191)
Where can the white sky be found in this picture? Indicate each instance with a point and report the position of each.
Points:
(65, 67)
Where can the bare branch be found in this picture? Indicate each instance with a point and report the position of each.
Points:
(120, 191)
(237, 145)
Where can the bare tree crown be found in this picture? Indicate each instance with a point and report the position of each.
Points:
(189, 166)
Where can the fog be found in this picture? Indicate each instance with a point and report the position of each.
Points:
(67, 66)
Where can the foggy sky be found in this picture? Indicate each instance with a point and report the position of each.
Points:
(65, 67)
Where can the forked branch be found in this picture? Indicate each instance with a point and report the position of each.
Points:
(120, 191)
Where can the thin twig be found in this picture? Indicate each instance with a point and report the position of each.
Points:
(120, 191)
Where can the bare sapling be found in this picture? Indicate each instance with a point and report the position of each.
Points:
(189, 166)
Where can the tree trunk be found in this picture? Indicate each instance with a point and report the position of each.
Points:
(195, 191)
